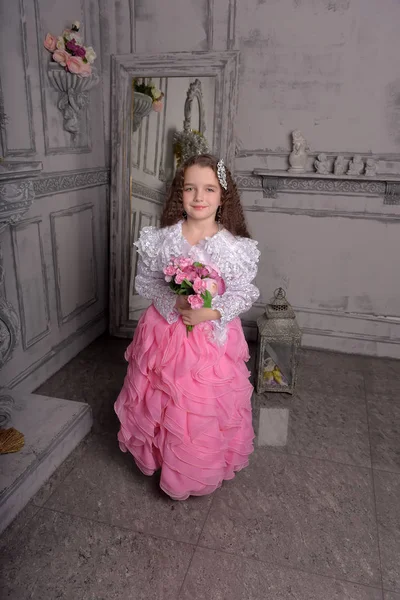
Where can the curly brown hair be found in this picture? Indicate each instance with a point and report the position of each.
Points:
(231, 214)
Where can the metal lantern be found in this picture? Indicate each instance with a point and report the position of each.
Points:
(279, 339)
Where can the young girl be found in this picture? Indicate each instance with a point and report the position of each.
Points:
(185, 403)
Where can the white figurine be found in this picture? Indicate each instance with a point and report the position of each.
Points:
(298, 156)
(370, 167)
(356, 166)
(321, 164)
(339, 167)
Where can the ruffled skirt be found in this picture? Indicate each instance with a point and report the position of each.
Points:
(185, 405)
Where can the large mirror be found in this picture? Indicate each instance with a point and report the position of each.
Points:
(162, 107)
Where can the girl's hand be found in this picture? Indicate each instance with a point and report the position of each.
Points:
(199, 315)
(182, 302)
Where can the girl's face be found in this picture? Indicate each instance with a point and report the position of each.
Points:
(201, 193)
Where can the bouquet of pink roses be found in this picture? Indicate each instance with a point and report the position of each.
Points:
(200, 283)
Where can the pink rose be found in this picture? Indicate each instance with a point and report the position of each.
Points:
(212, 286)
(157, 105)
(191, 274)
(76, 65)
(50, 42)
(170, 270)
(62, 57)
(195, 301)
(199, 285)
(179, 277)
(184, 263)
(86, 70)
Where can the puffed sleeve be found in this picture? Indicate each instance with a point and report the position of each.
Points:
(240, 293)
(149, 281)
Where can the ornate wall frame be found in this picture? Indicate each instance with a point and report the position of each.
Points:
(223, 66)
(194, 92)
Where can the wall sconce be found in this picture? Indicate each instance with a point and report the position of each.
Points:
(73, 94)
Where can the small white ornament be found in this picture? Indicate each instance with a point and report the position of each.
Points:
(356, 166)
(370, 167)
(321, 164)
(339, 166)
(298, 156)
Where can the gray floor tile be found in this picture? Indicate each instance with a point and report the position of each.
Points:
(384, 424)
(96, 383)
(312, 515)
(106, 349)
(68, 558)
(319, 426)
(330, 380)
(333, 360)
(215, 575)
(391, 596)
(383, 376)
(41, 497)
(16, 527)
(387, 490)
(107, 486)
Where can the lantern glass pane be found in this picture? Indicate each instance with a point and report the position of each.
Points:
(277, 364)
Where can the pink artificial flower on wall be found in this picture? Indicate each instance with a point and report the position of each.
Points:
(157, 105)
(50, 42)
(61, 57)
(76, 65)
(86, 70)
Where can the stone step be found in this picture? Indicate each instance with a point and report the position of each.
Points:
(52, 428)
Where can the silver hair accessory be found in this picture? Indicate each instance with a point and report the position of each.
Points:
(221, 172)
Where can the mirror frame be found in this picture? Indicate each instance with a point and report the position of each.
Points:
(194, 93)
(223, 66)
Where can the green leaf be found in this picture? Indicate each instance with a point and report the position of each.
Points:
(207, 299)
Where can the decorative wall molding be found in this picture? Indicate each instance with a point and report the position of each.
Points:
(392, 193)
(231, 36)
(146, 167)
(8, 152)
(9, 322)
(210, 25)
(139, 190)
(58, 183)
(57, 249)
(23, 294)
(270, 185)
(15, 199)
(383, 186)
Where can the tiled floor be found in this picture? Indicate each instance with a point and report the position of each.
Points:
(316, 515)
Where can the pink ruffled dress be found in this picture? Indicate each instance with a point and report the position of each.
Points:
(185, 406)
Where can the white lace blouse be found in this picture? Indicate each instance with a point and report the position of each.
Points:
(235, 258)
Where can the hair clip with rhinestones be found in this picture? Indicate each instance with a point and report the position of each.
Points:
(221, 172)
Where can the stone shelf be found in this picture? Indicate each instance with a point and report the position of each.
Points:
(386, 185)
